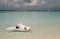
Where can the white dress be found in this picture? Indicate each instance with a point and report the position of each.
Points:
(21, 26)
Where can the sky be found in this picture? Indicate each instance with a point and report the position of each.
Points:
(29, 4)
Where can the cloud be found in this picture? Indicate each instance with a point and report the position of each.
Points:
(5, 1)
(36, 3)
(28, 4)
(17, 3)
(43, 2)
(14, 3)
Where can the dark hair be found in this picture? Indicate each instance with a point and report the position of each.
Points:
(17, 27)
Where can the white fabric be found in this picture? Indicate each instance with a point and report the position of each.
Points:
(14, 28)
(21, 26)
(11, 28)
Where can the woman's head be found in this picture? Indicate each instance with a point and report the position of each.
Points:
(17, 27)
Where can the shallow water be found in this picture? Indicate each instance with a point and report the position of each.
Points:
(44, 25)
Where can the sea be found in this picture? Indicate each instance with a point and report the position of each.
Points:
(44, 24)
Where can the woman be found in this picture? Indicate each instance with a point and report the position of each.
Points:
(23, 27)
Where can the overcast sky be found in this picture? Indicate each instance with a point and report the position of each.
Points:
(29, 4)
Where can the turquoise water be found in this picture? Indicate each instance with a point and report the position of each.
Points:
(12, 18)
(44, 25)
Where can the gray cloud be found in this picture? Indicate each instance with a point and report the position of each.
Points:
(28, 4)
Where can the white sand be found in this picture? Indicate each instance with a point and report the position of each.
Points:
(37, 33)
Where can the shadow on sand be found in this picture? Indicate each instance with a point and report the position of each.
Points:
(21, 31)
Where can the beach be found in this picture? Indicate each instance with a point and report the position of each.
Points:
(44, 25)
(37, 33)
